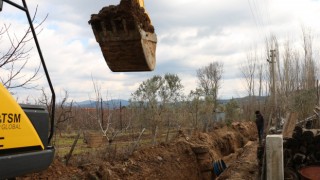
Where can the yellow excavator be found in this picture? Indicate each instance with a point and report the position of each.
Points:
(128, 43)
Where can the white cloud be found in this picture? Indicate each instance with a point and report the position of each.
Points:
(191, 34)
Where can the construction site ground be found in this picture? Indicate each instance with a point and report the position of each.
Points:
(236, 145)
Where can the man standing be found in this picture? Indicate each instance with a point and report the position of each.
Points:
(259, 123)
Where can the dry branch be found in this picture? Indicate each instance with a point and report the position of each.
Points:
(137, 142)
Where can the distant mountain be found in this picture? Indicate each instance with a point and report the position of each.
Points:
(223, 101)
(243, 99)
(115, 103)
(111, 104)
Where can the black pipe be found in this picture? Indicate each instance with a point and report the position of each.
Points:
(53, 99)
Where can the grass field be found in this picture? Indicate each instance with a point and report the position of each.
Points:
(123, 141)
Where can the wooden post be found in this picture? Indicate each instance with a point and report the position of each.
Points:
(154, 139)
(289, 125)
(68, 156)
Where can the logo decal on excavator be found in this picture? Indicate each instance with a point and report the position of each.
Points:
(10, 121)
(10, 118)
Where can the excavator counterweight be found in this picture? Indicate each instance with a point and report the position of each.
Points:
(126, 36)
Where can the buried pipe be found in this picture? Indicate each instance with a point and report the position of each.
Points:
(218, 167)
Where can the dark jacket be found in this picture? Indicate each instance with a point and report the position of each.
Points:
(259, 120)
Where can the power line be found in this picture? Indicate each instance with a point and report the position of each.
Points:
(260, 12)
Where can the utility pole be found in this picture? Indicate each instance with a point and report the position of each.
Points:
(317, 109)
(272, 117)
(120, 116)
(273, 84)
(318, 93)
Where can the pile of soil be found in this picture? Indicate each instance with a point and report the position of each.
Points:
(243, 163)
(174, 160)
(128, 10)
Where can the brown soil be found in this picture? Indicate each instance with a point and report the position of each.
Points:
(180, 159)
(245, 166)
(128, 10)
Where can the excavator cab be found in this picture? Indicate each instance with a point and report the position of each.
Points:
(126, 36)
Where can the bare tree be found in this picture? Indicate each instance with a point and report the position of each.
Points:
(309, 74)
(100, 116)
(64, 110)
(15, 59)
(248, 71)
(209, 79)
(296, 75)
(193, 105)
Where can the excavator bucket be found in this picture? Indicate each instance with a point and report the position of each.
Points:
(126, 36)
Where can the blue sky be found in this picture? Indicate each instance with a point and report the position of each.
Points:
(191, 34)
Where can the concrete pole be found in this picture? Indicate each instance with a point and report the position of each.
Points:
(274, 157)
(318, 92)
(274, 102)
(273, 87)
(318, 98)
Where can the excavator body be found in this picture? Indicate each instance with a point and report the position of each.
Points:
(23, 137)
(25, 130)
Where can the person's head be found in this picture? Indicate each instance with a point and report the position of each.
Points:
(257, 112)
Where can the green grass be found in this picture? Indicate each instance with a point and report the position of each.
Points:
(64, 142)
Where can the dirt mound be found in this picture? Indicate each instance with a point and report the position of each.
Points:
(57, 170)
(245, 166)
(183, 158)
(165, 161)
(128, 10)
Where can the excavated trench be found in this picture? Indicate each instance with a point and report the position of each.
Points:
(185, 157)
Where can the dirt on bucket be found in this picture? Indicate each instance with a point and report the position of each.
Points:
(129, 10)
(126, 37)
